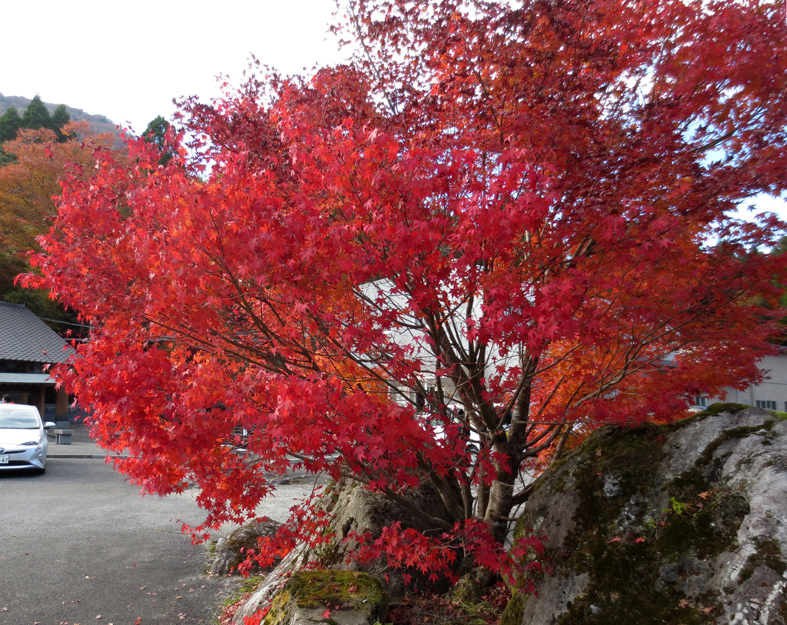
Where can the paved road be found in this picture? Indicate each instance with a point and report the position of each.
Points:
(79, 545)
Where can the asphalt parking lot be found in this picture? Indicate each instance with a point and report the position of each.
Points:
(80, 545)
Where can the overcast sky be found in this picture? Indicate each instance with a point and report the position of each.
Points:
(127, 60)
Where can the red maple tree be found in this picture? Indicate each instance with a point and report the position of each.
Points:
(500, 225)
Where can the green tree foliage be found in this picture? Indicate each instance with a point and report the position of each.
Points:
(36, 115)
(10, 123)
(156, 133)
(59, 119)
(10, 266)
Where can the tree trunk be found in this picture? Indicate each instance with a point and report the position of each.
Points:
(500, 502)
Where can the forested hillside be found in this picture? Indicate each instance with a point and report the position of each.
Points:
(99, 123)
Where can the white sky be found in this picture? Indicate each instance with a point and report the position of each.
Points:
(127, 60)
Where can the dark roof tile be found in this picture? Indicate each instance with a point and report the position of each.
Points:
(23, 336)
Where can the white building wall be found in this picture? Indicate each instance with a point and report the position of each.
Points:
(770, 393)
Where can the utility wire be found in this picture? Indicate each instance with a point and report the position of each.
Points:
(66, 323)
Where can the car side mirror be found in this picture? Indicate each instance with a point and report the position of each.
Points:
(49, 425)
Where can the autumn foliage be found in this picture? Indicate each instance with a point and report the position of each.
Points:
(29, 183)
(29, 180)
(501, 225)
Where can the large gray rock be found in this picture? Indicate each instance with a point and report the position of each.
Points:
(234, 549)
(681, 524)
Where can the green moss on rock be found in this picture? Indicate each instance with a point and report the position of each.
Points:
(720, 407)
(326, 589)
(338, 588)
(245, 586)
(639, 582)
(616, 462)
(280, 608)
(768, 554)
(512, 615)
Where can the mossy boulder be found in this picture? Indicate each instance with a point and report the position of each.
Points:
(684, 523)
(233, 549)
(325, 596)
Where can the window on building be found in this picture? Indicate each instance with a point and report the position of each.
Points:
(766, 403)
(702, 402)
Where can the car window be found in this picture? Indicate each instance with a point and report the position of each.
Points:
(18, 420)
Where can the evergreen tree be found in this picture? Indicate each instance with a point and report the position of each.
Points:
(59, 119)
(156, 133)
(10, 123)
(36, 115)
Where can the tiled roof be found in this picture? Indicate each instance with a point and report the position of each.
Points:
(23, 336)
(26, 378)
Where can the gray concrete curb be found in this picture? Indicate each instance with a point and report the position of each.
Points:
(81, 446)
(50, 455)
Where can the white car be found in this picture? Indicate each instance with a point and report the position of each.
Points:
(23, 441)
